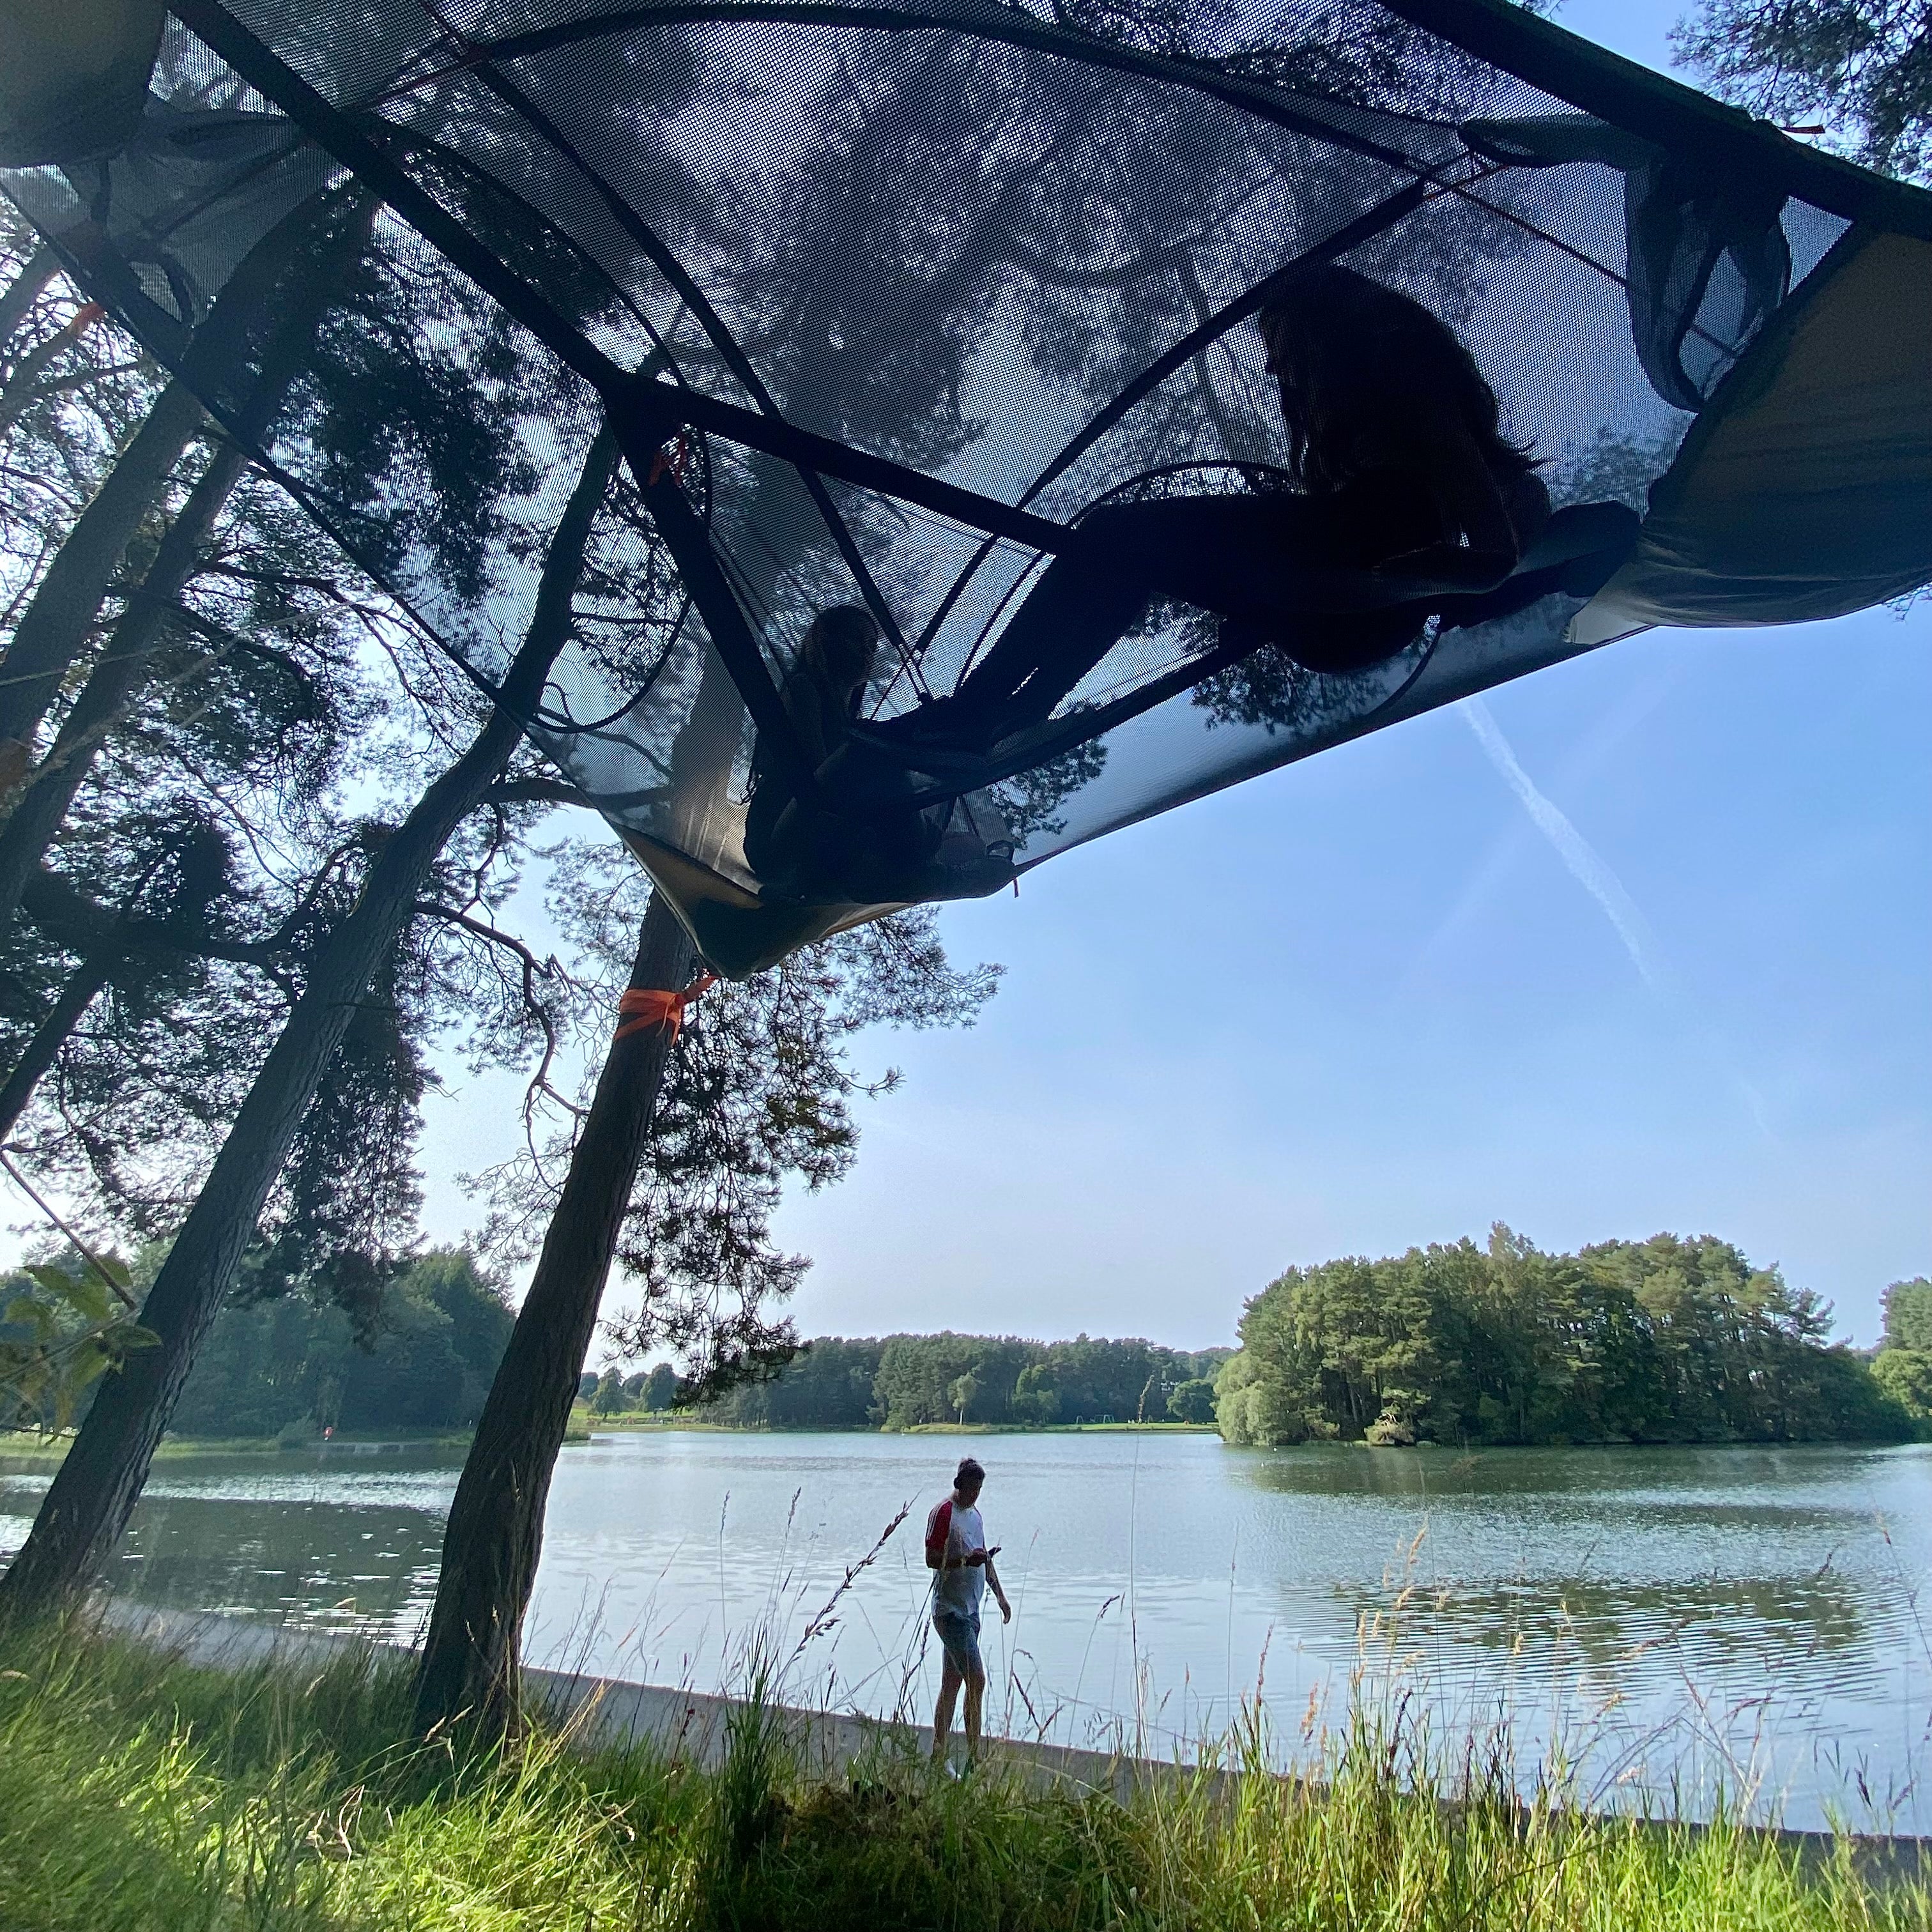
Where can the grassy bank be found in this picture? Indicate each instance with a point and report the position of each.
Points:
(135, 1793)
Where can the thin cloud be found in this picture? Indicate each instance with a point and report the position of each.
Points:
(1589, 868)
(1585, 864)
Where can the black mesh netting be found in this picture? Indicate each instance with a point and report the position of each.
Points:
(891, 306)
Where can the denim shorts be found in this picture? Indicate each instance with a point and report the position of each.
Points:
(959, 1636)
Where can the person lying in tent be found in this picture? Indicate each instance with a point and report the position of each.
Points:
(1407, 494)
(861, 840)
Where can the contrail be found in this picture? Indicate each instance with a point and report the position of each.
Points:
(1575, 851)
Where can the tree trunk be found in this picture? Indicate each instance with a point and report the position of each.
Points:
(83, 986)
(41, 804)
(495, 1532)
(18, 392)
(85, 1509)
(120, 669)
(54, 627)
(24, 290)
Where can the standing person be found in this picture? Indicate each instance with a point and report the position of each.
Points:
(956, 1552)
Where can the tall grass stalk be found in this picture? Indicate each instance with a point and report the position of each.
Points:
(137, 1792)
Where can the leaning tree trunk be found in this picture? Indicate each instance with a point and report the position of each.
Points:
(25, 289)
(21, 390)
(85, 1509)
(50, 790)
(495, 1532)
(78, 992)
(54, 627)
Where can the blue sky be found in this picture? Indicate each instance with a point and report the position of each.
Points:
(1365, 1002)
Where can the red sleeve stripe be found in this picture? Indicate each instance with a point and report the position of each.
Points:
(938, 1526)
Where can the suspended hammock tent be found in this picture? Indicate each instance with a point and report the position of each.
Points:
(884, 300)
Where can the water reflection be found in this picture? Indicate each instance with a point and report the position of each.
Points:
(1668, 1618)
(338, 1541)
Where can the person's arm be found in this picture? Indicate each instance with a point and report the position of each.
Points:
(999, 1595)
(939, 1542)
(808, 702)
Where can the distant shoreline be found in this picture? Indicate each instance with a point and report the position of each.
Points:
(30, 1445)
(635, 1421)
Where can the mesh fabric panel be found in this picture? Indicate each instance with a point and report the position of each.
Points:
(956, 238)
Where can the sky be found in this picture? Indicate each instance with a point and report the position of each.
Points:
(1643, 942)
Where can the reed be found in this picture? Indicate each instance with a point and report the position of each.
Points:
(135, 1791)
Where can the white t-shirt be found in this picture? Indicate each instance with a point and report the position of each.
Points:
(953, 1531)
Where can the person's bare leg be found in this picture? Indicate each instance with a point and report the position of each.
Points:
(976, 1695)
(942, 1712)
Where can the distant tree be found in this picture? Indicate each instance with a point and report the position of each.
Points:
(1035, 1398)
(906, 1381)
(1904, 1376)
(586, 1384)
(1191, 1402)
(610, 1398)
(962, 1394)
(660, 1389)
(1908, 1314)
(424, 1362)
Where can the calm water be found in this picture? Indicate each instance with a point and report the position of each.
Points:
(1673, 1619)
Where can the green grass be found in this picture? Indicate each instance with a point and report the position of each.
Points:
(137, 1793)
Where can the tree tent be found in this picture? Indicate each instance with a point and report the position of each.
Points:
(884, 300)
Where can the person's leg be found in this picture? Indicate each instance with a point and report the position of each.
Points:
(1254, 558)
(942, 1712)
(1092, 595)
(976, 1699)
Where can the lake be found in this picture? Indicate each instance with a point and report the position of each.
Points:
(1674, 1622)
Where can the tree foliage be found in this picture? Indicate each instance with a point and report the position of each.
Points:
(902, 1381)
(296, 1365)
(65, 1321)
(759, 1094)
(1860, 69)
(1903, 1367)
(1661, 1340)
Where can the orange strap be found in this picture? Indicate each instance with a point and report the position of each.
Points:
(643, 1007)
(671, 457)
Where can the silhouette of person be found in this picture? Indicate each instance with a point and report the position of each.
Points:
(1405, 490)
(807, 849)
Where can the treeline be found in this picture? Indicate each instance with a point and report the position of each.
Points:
(901, 1381)
(1903, 1367)
(1664, 1340)
(293, 1366)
